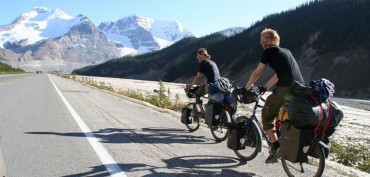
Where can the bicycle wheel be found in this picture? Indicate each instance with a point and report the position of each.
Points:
(252, 141)
(313, 167)
(195, 121)
(220, 131)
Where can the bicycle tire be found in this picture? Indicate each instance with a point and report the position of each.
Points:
(313, 167)
(195, 121)
(220, 131)
(253, 143)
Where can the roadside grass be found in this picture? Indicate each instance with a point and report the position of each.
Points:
(2, 73)
(161, 98)
(7, 69)
(12, 72)
(351, 154)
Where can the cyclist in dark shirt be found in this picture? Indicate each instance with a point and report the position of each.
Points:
(286, 70)
(210, 70)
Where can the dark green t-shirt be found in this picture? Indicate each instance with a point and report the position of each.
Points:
(284, 64)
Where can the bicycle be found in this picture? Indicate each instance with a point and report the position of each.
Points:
(252, 133)
(219, 119)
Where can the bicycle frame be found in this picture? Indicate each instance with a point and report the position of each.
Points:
(255, 118)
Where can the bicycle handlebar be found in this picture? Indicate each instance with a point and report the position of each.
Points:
(190, 92)
(240, 90)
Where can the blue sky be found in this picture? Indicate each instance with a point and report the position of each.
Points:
(202, 17)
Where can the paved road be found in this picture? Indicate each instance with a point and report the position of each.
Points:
(50, 126)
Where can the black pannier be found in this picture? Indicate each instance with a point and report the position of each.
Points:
(336, 115)
(235, 140)
(313, 106)
(301, 90)
(185, 116)
(304, 113)
(294, 142)
(213, 113)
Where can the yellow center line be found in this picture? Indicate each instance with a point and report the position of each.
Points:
(1, 83)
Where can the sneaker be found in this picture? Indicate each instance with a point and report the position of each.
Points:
(274, 156)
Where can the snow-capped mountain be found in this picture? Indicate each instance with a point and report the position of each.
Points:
(144, 34)
(37, 24)
(46, 39)
(134, 33)
(232, 31)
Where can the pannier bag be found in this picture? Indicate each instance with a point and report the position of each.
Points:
(315, 152)
(235, 140)
(300, 89)
(283, 112)
(213, 113)
(304, 113)
(336, 114)
(217, 97)
(185, 116)
(293, 141)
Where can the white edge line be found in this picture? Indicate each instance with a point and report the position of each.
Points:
(104, 156)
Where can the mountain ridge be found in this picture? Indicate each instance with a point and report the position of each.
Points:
(33, 33)
(329, 39)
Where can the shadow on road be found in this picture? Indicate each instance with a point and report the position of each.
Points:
(204, 165)
(154, 135)
(179, 166)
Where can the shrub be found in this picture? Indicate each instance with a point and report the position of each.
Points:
(354, 155)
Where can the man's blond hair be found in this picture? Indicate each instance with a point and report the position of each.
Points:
(270, 33)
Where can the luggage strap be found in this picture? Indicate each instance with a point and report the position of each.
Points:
(317, 128)
(329, 117)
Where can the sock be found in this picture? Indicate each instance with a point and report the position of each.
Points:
(275, 145)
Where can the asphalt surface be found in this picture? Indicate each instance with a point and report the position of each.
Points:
(50, 126)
